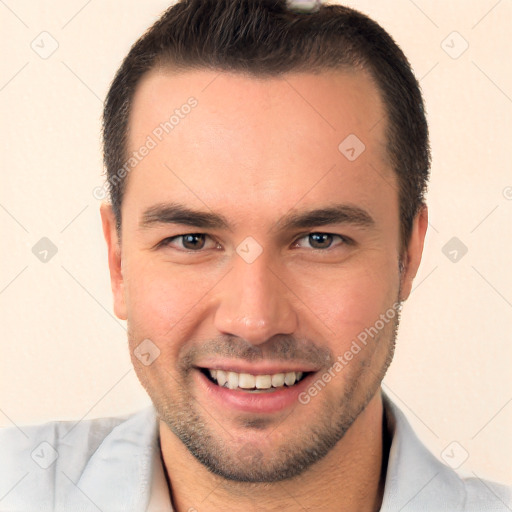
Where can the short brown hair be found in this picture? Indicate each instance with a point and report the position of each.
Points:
(268, 38)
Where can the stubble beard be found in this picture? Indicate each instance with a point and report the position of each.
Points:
(305, 446)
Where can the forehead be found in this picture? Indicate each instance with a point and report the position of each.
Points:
(257, 141)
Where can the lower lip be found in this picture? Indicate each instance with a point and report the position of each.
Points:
(265, 402)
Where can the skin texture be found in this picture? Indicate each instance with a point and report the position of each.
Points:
(255, 150)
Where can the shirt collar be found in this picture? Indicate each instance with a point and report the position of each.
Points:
(415, 479)
(159, 498)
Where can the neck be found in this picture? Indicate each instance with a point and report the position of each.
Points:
(350, 477)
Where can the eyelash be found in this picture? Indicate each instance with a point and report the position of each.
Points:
(166, 242)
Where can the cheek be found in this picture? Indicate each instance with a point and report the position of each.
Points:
(348, 299)
(169, 303)
(163, 300)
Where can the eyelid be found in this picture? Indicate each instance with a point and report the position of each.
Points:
(345, 240)
(167, 241)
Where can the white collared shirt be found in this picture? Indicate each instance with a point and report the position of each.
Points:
(114, 464)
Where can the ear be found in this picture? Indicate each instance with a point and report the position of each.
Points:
(108, 221)
(412, 257)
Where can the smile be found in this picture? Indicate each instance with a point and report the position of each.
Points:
(254, 383)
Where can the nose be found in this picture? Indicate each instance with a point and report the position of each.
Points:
(254, 303)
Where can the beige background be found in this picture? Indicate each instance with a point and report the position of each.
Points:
(64, 355)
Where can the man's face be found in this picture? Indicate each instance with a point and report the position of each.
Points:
(295, 255)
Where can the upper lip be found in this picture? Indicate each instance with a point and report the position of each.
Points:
(261, 368)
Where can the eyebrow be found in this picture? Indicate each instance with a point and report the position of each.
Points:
(335, 214)
(174, 213)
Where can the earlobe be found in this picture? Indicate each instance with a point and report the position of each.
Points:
(414, 252)
(108, 221)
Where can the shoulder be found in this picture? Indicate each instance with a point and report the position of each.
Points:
(417, 481)
(485, 496)
(42, 465)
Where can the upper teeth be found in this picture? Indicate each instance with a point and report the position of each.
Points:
(234, 380)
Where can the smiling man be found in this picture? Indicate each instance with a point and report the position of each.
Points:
(267, 165)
